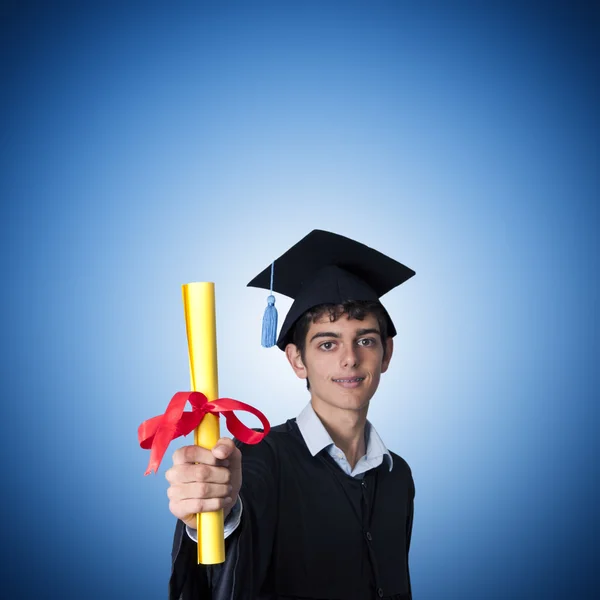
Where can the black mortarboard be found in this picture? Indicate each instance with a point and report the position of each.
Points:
(327, 268)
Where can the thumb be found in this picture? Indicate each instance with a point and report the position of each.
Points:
(223, 448)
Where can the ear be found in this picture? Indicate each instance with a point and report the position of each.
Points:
(389, 350)
(292, 353)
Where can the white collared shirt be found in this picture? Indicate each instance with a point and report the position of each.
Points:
(316, 438)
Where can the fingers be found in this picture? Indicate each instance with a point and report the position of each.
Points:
(186, 509)
(204, 480)
(224, 453)
(192, 473)
(198, 491)
(195, 454)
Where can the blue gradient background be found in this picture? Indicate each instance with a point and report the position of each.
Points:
(145, 146)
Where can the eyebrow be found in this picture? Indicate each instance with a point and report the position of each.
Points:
(325, 334)
(365, 331)
(332, 334)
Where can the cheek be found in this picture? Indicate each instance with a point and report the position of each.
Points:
(323, 372)
(322, 369)
(376, 366)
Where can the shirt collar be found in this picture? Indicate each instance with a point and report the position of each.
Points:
(316, 436)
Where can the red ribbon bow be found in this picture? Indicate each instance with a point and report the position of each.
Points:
(157, 433)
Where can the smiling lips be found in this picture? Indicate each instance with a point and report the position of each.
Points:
(349, 382)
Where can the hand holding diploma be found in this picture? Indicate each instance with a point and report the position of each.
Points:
(204, 485)
(204, 480)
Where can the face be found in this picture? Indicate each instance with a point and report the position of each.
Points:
(342, 360)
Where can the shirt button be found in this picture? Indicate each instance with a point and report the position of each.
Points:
(369, 536)
(380, 593)
(364, 484)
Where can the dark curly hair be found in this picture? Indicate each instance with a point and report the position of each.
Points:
(354, 309)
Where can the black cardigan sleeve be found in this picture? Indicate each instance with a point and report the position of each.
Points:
(409, 524)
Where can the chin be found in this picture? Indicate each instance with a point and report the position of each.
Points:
(353, 399)
(350, 401)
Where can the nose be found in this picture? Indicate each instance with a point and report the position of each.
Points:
(350, 357)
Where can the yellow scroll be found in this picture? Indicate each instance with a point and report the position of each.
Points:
(200, 322)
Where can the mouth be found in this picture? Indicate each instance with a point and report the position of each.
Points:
(349, 382)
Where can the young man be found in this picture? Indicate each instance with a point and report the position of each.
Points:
(320, 509)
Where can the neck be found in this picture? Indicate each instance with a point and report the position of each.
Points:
(346, 428)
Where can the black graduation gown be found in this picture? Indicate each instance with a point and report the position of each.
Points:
(308, 530)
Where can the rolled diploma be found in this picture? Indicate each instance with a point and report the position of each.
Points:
(200, 322)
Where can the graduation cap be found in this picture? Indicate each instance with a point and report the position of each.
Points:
(326, 268)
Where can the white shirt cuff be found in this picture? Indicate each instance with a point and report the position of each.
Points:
(231, 522)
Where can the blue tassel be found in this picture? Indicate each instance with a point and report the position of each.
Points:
(269, 325)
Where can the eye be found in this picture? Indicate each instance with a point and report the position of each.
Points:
(366, 342)
(326, 346)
